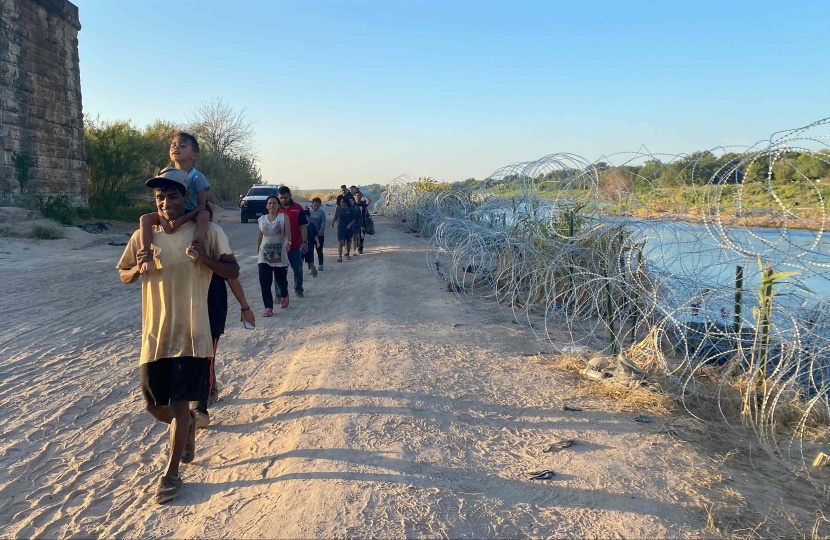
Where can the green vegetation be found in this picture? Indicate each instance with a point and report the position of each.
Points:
(739, 185)
(58, 208)
(427, 184)
(23, 164)
(121, 157)
(46, 232)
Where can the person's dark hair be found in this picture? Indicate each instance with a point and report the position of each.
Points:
(283, 190)
(316, 200)
(343, 187)
(189, 138)
(272, 197)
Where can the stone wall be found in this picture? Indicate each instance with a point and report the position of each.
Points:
(41, 116)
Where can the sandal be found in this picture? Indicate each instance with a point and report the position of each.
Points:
(545, 474)
(190, 445)
(169, 488)
(561, 445)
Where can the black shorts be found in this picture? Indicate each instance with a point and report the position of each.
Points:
(183, 378)
(344, 234)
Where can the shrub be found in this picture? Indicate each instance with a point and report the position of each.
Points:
(129, 213)
(58, 208)
(46, 233)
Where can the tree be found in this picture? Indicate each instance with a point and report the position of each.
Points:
(159, 135)
(116, 157)
(221, 129)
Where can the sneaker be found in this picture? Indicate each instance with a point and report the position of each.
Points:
(284, 302)
(348, 258)
(299, 294)
(268, 312)
(320, 268)
(313, 271)
(360, 252)
(202, 419)
(310, 272)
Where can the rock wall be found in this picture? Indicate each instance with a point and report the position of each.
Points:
(41, 115)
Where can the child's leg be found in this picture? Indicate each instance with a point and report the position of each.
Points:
(319, 248)
(340, 250)
(202, 220)
(145, 224)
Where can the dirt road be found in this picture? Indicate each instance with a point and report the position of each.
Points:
(378, 405)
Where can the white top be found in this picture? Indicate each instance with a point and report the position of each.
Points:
(272, 249)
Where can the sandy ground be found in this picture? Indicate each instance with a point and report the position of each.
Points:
(378, 405)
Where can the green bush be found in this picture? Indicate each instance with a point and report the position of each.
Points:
(129, 213)
(46, 233)
(58, 208)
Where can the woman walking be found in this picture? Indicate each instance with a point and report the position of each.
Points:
(272, 246)
(345, 216)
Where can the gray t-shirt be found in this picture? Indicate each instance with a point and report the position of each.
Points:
(318, 219)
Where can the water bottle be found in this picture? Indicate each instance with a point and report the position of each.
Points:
(575, 349)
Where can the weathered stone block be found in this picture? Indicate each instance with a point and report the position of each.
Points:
(40, 96)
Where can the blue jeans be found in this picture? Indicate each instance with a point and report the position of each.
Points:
(295, 257)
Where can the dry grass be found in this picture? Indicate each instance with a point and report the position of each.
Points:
(324, 196)
(640, 399)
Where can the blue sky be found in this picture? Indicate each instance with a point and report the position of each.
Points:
(363, 91)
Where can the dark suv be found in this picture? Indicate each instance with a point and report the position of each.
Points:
(252, 205)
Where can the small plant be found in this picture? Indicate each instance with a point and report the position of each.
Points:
(58, 208)
(759, 361)
(46, 232)
(23, 164)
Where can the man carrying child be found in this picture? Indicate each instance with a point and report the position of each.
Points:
(176, 344)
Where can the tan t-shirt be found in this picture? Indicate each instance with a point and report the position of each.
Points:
(174, 293)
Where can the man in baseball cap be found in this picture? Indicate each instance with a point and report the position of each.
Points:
(176, 344)
(171, 177)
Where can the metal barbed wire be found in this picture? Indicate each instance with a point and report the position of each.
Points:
(573, 251)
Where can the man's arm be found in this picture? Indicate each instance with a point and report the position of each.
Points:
(131, 260)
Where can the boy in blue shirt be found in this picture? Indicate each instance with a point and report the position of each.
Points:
(184, 151)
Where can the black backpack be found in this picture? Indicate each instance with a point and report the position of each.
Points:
(369, 224)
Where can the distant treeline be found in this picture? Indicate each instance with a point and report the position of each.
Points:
(697, 169)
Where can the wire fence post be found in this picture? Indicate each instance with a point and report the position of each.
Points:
(739, 285)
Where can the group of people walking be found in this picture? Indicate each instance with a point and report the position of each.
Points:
(185, 264)
(290, 236)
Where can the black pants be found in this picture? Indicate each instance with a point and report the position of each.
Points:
(267, 273)
(319, 249)
(360, 237)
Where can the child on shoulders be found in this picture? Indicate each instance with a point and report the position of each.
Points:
(184, 151)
